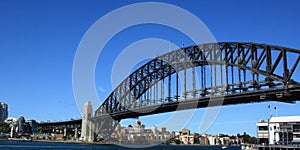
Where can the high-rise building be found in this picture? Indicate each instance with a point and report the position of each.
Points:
(3, 111)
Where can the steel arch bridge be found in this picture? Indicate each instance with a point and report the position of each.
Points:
(203, 75)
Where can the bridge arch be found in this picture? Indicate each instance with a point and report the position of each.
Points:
(244, 56)
(266, 72)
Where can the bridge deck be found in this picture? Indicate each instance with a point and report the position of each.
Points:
(198, 102)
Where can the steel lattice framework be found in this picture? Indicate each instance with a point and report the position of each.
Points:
(226, 72)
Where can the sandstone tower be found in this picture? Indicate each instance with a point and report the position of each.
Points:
(87, 133)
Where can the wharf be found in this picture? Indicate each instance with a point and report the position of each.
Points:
(278, 148)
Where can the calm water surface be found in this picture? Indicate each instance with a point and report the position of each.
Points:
(10, 145)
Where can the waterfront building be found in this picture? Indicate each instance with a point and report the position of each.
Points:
(185, 131)
(10, 120)
(19, 127)
(284, 130)
(3, 111)
(186, 137)
(33, 125)
(23, 128)
(204, 139)
(262, 132)
(154, 130)
(212, 140)
(163, 130)
(139, 134)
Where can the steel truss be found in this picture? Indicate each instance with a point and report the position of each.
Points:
(227, 71)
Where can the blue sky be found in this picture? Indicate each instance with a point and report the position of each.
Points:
(38, 42)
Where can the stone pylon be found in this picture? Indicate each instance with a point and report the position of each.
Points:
(87, 127)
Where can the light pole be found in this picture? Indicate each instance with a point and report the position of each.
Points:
(275, 108)
(269, 125)
(269, 131)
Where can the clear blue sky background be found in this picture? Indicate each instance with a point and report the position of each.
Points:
(38, 41)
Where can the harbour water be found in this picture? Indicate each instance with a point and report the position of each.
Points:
(11, 145)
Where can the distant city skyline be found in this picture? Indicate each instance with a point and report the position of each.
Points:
(39, 41)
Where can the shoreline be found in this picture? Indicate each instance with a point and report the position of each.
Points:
(119, 144)
(98, 143)
(53, 141)
(70, 141)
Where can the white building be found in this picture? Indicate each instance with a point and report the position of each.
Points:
(187, 139)
(262, 132)
(212, 140)
(282, 130)
(11, 120)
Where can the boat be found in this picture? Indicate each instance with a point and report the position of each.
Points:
(20, 139)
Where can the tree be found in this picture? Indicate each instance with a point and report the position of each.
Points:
(197, 140)
(40, 129)
(177, 141)
(180, 132)
(4, 127)
(248, 139)
(232, 137)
